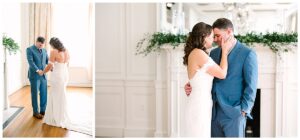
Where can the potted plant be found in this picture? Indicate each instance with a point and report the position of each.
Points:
(12, 47)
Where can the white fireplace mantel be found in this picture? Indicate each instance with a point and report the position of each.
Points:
(276, 80)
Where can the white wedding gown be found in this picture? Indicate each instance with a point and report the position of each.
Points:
(199, 103)
(58, 112)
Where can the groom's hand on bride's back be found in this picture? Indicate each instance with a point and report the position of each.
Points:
(188, 89)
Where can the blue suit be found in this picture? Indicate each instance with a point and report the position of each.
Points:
(234, 94)
(37, 61)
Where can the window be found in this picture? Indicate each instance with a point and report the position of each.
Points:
(72, 25)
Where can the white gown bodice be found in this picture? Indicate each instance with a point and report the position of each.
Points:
(199, 103)
(58, 111)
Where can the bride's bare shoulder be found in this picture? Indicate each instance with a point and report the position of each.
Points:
(198, 56)
(67, 52)
(54, 51)
(198, 53)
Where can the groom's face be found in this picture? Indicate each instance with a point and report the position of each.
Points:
(39, 44)
(220, 34)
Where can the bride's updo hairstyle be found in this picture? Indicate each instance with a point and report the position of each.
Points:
(196, 39)
(56, 44)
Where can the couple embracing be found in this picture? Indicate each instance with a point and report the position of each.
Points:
(222, 84)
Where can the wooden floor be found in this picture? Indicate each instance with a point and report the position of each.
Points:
(25, 125)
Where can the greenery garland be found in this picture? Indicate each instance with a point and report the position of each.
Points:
(274, 41)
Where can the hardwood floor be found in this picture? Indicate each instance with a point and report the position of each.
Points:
(25, 125)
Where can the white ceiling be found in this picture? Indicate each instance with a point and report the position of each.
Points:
(252, 6)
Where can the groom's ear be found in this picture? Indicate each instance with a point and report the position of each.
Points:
(230, 31)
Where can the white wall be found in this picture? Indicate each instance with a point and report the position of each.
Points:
(125, 93)
(12, 28)
(263, 17)
(1, 60)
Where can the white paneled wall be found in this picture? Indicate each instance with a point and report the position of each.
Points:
(110, 41)
(125, 83)
(290, 97)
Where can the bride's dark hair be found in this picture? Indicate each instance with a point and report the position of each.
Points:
(57, 44)
(196, 39)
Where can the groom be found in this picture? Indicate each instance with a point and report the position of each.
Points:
(37, 58)
(233, 97)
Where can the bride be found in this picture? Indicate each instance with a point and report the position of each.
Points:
(201, 71)
(57, 112)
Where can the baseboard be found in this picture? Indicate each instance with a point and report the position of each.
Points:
(160, 134)
(109, 132)
(103, 132)
(80, 84)
(20, 86)
(138, 132)
(73, 84)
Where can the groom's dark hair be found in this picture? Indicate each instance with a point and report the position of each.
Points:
(40, 39)
(223, 23)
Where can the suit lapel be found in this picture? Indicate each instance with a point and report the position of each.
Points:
(217, 56)
(232, 55)
(234, 52)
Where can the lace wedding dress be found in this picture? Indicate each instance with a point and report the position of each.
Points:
(199, 103)
(59, 112)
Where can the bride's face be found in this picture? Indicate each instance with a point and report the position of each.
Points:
(209, 40)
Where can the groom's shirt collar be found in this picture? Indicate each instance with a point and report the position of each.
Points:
(233, 46)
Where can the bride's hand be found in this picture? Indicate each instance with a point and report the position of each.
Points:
(188, 89)
(227, 45)
(41, 73)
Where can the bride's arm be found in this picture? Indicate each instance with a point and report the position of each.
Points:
(51, 61)
(219, 71)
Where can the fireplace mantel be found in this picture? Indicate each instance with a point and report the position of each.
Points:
(277, 81)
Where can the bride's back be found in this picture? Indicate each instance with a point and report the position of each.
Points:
(61, 56)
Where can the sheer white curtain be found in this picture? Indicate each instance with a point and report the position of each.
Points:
(40, 18)
(73, 25)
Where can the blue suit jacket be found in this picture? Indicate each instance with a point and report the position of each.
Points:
(237, 92)
(36, 61)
